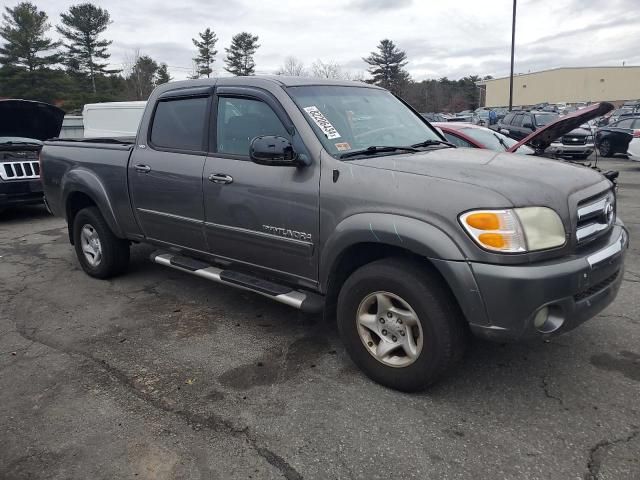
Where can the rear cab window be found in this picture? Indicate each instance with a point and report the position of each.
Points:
(180, 124)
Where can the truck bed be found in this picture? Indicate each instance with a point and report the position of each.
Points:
(97, 166)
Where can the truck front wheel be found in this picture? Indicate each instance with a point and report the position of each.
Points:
(400, 324)
(100, 252)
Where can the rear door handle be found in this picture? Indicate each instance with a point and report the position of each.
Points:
(220, 178)
(142, 168)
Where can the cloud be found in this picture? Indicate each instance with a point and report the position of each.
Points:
(378, 5)
(452, 39)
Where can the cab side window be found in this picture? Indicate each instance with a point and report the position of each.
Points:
(517, 120)
(240, 120)
(508, 118)
(179, 124)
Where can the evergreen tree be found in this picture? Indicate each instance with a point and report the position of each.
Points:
(142, 76)
(240, 54)
(82, 26)
(162, 75)
(206, 52)
(26, 46)
(387, 67)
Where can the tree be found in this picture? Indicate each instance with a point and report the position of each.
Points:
(387, 67)
(326, 70)
(240, 54)
(26, 46)
(292, 67)
(206, 52)
(141, 75)
(82, 26)
(162, 75)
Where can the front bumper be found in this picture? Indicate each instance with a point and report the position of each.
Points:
(574, 289)
(20, 192)
(561, 149)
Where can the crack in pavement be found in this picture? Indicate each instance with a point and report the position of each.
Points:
(594, 461)
(548, 394)
(196, 421)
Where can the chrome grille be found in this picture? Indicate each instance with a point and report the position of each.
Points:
(26, 170)
(595, 216)
(574, 140)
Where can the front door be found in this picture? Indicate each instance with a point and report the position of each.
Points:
(263, 216)
(165, 173)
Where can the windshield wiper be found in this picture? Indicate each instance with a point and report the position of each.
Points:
(501, 141)
(372, 150)
(428, 143)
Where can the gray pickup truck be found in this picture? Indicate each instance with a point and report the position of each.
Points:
(337, 196)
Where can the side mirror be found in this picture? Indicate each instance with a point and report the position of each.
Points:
(504, 131)
(273, 150)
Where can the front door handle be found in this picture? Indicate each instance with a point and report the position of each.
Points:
(142, 168)
(220, 178)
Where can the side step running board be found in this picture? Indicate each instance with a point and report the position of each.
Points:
(306, 301)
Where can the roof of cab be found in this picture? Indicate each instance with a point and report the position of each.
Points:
(259, 80)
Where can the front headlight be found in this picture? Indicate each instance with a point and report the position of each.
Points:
(515, 230)
(590, 139)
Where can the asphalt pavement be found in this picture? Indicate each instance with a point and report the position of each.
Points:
(160, 375)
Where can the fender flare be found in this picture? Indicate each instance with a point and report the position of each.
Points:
(86, 182)
(411, 234)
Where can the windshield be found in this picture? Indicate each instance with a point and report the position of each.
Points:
(494, 140)
(354, 118)
(545, 118)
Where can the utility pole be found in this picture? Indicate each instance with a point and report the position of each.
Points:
(513, 44)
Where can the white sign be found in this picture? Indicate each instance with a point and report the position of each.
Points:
(319, 119)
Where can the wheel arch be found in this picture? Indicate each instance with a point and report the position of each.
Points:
(358, 241)
(82, 188)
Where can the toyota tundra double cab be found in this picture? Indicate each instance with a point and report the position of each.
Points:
(337, 196)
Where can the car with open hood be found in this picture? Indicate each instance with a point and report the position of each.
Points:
(337, 196)
(24, 125)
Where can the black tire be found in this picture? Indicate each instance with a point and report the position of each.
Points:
(115, 251)
(604, 148)
(443, 327)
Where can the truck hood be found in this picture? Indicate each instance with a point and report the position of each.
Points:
(29, 119)
(542, 138)
(522, 179)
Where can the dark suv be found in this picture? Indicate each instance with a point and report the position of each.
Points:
(518, 125)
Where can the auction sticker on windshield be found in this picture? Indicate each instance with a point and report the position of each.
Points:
(321, 121)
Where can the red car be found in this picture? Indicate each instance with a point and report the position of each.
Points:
(475, 136)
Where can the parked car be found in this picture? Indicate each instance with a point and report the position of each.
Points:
(112, 119)
(518, 125)
(23, 126)
(482, 118)
(633, 152)
(471, 136)
(615, 137)
(474, 136)
(434, 117)
(577, 144)
(268, 185)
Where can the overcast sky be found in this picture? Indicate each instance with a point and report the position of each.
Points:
(451, 38)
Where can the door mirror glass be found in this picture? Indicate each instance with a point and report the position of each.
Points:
(273, 150)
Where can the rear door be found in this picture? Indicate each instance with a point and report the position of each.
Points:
(262, 216)
(621, 134)
(165, 171)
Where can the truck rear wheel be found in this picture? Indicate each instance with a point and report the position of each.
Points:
(400, 325)
(100, 252)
